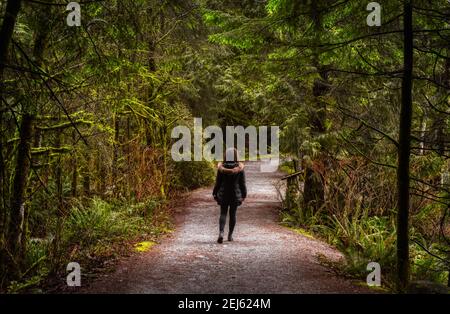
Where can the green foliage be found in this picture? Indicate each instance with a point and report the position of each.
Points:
(195, 174)
(426, 266)
(365, 239)
(363, 228)
(146, 208)
(287, 167)
(92, 228)
(36, 261)
(97, 221)
(104, 98)
(28, 285)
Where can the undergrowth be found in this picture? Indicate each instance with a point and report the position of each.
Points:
(365, 233)
(93, 234)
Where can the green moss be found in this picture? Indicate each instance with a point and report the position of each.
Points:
(144, 246)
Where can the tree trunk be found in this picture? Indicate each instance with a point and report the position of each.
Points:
(9, 21)
(115, 166)
(3, 207)
(128, 156)
(151, 64)
(423, 129)
(404, 150)
(38, 51)
(101, 168)
(19, 184)
(56, 256)
(314, 189)
(87, 178)
(74, 184)
(37, 137)
(6, 32)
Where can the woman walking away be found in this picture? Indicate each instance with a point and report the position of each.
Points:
(230, 190)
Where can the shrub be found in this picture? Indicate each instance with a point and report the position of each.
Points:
(193, 174)
(86, 225)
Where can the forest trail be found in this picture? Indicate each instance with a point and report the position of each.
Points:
(264, 258)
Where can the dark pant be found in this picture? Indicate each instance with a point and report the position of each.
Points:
(223, 217)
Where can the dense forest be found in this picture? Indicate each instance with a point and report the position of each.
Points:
(87, 112)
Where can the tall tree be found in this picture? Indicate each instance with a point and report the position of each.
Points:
(404, 151)
(6, 32)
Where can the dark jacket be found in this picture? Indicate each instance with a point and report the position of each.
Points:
(230, 188)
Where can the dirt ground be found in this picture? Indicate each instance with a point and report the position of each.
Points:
(263, 258)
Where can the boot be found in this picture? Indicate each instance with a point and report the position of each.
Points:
(220, 239)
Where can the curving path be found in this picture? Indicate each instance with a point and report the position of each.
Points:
(264, 258)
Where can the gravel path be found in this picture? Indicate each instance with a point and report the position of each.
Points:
(264, 257)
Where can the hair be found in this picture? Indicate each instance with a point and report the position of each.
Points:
(230, 151)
